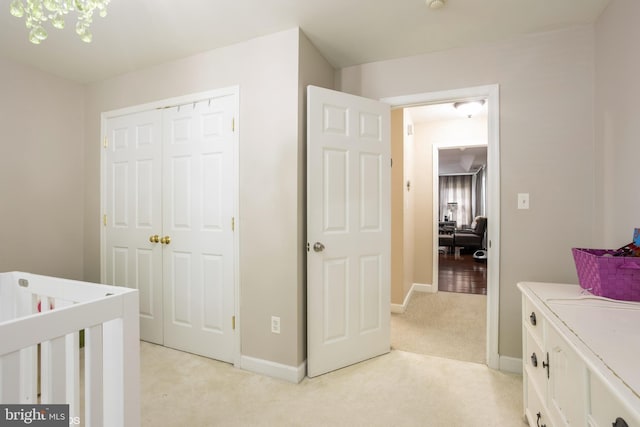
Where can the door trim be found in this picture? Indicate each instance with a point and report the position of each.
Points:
(492, 92)
(160, 104)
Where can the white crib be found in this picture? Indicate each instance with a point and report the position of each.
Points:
(40, 322)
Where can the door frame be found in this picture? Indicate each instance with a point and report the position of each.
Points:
(492, 93)
(172, 102)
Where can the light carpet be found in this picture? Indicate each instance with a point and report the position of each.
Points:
(397, 389)
(443, 324)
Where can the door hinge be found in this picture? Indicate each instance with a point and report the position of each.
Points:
(233, 124)
(105, 142)
(104, 220)
(233, 223)
(391, 162)
(233, 322)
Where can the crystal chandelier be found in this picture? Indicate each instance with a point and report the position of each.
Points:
(38, 12)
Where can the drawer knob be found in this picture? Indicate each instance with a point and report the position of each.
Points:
(620, 423)
(538, 420)
(532, 317)
(534, 360)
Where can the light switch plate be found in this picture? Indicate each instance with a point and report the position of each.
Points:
(523, 200)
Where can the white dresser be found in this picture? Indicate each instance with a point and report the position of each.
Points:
(581, 357)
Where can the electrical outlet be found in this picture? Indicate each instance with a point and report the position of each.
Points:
(275, 324)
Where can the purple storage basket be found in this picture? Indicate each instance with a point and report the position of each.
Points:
(608, 276)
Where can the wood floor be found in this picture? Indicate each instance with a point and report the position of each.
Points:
(461, 273)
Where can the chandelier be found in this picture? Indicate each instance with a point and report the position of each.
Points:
(38, 12)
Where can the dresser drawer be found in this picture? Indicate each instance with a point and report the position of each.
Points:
(536, 412)
(533, 320)
(533, 358)
(606, 408)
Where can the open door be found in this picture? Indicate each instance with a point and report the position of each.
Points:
(348, 229)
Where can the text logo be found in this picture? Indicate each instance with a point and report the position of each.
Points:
(34, 415)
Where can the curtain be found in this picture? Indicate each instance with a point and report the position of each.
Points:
(455, 191)
(480, 183)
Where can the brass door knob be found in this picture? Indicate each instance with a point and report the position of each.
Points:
(165, 240)
(154, 239)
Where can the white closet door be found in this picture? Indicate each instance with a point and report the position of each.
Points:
(133, 213)
(198, 203)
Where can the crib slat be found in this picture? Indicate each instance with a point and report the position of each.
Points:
(93, 381)
(10, 378)
(72, 359)
(53, 371)
(73, 374)
(29, 375)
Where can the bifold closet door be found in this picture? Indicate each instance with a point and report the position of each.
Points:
(134, 213)
(198, 204)
(169, 221)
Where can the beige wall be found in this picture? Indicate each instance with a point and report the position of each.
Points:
(397, 208)
(616, 123)
(314, 70)
(409, 204)
(423, 205)
(41, 172)
(266, 70)
(546, 104)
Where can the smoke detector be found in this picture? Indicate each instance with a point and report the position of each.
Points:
(435, 4)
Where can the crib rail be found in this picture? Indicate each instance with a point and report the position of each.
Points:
(40, 314)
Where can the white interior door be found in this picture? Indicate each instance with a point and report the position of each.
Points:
(348, 229)
(199, 191)
(133, 213)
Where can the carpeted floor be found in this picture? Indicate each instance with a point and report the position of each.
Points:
(397, 389)
(443, 324)
(408, 387)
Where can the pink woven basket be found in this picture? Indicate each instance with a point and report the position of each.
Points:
(608, 276)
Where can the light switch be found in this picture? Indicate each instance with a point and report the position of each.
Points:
(523, 200)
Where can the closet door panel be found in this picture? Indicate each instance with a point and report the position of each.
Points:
(133, 215)
(198, 206)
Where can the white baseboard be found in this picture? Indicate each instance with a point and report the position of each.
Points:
(398, 308)
(288, 373)
(422, 287)
(511, 364)
(416, 287)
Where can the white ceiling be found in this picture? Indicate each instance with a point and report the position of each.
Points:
(453, 161)
(141, 33)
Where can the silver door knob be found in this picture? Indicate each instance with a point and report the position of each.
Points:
(318, 247)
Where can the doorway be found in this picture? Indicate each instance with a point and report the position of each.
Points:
(460, 170)
(491, 94)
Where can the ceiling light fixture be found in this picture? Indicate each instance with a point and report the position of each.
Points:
(38, 12)
(469, 108)
(435, 4)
